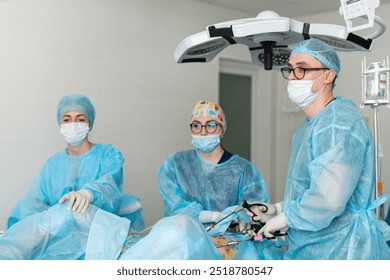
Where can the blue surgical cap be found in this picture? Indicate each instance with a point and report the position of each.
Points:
(76, 102)
(321, 51)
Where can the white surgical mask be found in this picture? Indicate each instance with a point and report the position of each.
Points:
(300, 92)
(74, 133)
(206, 143)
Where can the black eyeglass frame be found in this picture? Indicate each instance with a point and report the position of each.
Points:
(288, 70)
(205, 126)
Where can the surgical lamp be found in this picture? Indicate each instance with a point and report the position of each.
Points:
(270, 37)
(352, 9)
(375, 92)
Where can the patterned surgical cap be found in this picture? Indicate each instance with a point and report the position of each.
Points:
(209, 109)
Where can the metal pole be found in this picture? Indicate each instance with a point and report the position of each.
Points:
(375, 110)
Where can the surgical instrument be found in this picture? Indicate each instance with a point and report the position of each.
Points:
(237, 210)
(248, 206)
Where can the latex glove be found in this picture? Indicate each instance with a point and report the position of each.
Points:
(262, 215)
(277, 223)
(237, 225)
(206, 216)
(78, 201)
(241, 225)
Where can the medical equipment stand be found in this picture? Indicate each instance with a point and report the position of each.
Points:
(375, 92)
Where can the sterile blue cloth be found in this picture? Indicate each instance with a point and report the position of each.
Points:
(98, 171)
(131, 209)
(107, 236)
(329, 188)
(189, 185)
(177, 237)
(61, 234)
(54, 234)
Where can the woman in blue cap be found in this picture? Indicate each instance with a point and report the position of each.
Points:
(328, 205)
(81, 174)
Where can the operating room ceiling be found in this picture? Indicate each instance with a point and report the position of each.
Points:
(288, 8)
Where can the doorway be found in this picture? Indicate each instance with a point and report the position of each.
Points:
(235, 99)
(238, 96)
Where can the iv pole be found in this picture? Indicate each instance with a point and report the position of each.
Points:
(378, 184)
(375, 91)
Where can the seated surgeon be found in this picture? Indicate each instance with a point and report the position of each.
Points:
(83, 173)
(204, 181)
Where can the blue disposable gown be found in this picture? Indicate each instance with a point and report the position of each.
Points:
(61, 234)
(98, 171)
(329, 188)
(189, 185)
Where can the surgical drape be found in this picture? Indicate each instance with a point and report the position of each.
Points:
(61, 234)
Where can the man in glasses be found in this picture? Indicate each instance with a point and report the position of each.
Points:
(328, 203)
(204, 181)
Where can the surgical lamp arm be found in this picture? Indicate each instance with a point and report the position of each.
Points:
(382, 28)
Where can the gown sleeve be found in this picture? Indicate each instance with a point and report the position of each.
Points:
(107, 188)
(175, 200)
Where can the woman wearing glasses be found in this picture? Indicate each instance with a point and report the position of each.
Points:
(204, 181)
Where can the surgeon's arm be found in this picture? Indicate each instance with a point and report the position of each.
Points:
(253, 188)
(334, 176)
(175, 200)
(106, 191)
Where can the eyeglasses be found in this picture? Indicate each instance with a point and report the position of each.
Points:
(299, 72)
(210, 126)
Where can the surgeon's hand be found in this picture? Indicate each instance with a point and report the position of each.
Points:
(262, 214)
(206, 216)
(277, 223)
(78, 201)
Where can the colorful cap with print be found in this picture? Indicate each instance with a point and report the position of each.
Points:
(209, 109)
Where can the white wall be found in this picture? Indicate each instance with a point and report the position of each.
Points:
(120, 54)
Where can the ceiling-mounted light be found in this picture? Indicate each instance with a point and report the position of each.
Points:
(269, 38)
(199, 48)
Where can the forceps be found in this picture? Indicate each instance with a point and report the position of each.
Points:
(248, 206)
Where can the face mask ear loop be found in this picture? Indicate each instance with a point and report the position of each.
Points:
(322, 88)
